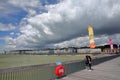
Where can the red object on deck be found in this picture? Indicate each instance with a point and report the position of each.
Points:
(59, 70)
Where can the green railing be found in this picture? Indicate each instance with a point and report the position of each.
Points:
(38, 72)
(46, 71)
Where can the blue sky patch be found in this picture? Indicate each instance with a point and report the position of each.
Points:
(13, 18)
(44, 2)
(2, 42)
(4, 33)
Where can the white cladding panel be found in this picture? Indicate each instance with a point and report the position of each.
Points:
(89, 51)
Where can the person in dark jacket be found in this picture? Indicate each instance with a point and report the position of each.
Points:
(88, 62)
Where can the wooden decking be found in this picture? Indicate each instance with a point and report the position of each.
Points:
(109, 70)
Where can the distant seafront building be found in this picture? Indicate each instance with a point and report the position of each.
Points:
(2, 52)
(118, 46)
(88, 50)
(65, 51)
(70, 50)
(107, 49)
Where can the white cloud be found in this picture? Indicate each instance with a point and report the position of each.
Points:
(67, 20)
(76, 42)
(6, 9)
(25, 3)
(84, 41)
(6, 27)
(114, 11)
(28, 5)
(12, 33)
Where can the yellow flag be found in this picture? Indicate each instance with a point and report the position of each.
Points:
(91, 36)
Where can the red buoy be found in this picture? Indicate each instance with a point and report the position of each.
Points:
(59, 70)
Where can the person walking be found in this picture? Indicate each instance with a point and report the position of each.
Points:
(88, 62)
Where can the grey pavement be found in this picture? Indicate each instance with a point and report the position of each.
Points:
(109, 70)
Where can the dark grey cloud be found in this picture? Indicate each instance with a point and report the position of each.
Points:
(110, 27)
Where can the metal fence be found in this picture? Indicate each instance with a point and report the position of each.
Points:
(46, 71)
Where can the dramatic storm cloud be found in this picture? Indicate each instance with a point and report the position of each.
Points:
(65, 23)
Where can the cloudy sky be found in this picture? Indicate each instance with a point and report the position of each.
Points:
(28, 24)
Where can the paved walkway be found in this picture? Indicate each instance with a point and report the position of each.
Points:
(109, 70)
